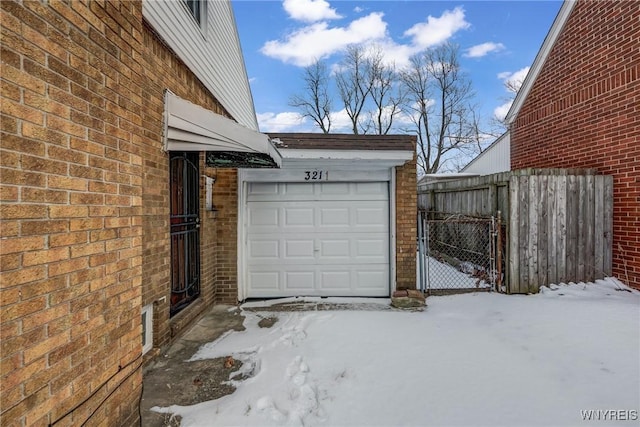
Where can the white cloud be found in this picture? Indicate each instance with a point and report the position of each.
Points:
(514, 79)
(437, 30)
(394, 53)
(280, 122)
(480, 50)
(501, 111)
(316, 41)
(310, 10)
(358, 9)
(340, 122)
(319, 40)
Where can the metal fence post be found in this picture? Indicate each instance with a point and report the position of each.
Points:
(421, 254)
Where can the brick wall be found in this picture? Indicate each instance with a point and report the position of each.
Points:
(406, 225)
(582, 112)
(84, 191)
(226, 255)
(71, 211)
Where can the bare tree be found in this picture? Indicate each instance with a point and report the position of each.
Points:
(315, 101)
(386, 92)
(354, 83)
(439, 97)
(512, 85)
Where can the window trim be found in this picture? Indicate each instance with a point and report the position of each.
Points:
(147, 328)
(200, 21)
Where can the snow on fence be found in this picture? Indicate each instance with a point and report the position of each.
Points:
(559, 222)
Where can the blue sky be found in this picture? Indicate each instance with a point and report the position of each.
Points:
(498, 40)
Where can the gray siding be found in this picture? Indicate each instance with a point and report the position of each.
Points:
(213, 53)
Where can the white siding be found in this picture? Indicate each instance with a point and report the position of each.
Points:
(212, 53)
(496, 158)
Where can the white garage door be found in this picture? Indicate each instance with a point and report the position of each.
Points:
(322, 239)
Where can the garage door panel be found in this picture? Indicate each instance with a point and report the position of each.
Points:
(298, 217)
(371, 280)
(286, 219)
(305, 191)
(334, 217)
(262, 188)
(299, 281)
(320, 248)
(354, 280)
(264, 216)
(296, 190)
(265, 281)
(335, 248)
(299, 250)
(335, 188)
(372, 248)
(371, 216)
(264, 249)
(333, 280)
(375, 189)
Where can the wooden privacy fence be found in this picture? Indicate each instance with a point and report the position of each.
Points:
(559, 222)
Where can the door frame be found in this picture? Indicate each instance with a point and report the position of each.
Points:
(245, 176)
(189, 225)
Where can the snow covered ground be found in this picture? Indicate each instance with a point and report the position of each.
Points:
(440, 275)
(467, 360)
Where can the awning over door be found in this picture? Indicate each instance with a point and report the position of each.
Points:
(189, 127)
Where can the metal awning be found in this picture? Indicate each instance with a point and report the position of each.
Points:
(189, 127)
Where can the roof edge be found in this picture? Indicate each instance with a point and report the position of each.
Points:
(505, 135)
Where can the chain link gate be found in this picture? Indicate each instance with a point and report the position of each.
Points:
(458, 253)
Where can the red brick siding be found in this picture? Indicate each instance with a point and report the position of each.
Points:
(226, 256)
(582, 112)
(84, 192)
(72, 213)
(406, 225)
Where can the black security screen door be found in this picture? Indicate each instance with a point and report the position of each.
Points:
(185, 224)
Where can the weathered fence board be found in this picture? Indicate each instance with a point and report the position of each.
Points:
(599, 228)
(561, 232)
(513, 233)
(559, 222)
(560, 256)
(552, 230)
(608, 225)
(543, 231)
(572, 227)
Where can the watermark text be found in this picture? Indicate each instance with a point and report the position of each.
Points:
(609, 414)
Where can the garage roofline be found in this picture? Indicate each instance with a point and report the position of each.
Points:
(348, 142)
(297, 149)
(380, 158)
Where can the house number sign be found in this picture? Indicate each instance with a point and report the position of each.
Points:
(316, 175)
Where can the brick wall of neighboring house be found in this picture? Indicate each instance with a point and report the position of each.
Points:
(84, 192)
(582, 112)
(406, 225)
